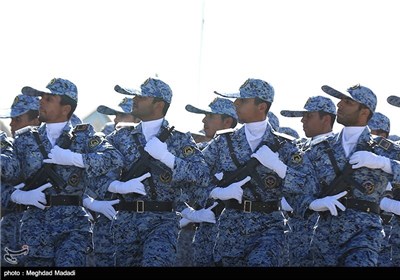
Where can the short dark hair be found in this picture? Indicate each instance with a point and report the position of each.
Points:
(66, 100)
(258, 100)
(234, 121)
(323, 113)
(166, 104)
(33, 114)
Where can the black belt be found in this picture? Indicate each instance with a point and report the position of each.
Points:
(361, 205)
(141, 206)
(386, 218)
(250, 206)
(59, 200)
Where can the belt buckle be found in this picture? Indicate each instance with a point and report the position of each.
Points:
(247, 206)
(139, 206)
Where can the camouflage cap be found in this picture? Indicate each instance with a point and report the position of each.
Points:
(253, 88)
(394, 137)
(150, 88)
(273, 120)
(289, 131)
(57, 86)
(219, 106)
(313, 104)
(358, 93)
(124, 107)
(21, 105)
(379, 122)
(394, 100)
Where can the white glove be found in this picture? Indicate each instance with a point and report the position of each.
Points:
(134, 185)
(270, 160)
(285, 205)
(390, 205)
(199, 216)
(159, 151)
(184, 222)
(62, 156)
(102, 206)
(234, 191)
(370, 160)
(328, 203)
(34, 197)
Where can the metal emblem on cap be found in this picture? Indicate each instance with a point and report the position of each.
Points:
(16, 99)
(245, 83)
(355, 87)
(146, 82)
(52, 81)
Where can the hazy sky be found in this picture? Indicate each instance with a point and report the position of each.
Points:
(198, 46)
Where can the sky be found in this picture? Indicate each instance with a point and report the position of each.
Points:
(198, 46)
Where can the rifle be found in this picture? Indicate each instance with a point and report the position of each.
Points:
(342, 182)
(145, 163)
(44, 175)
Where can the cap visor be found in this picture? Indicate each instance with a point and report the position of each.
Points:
(333, 92)
(394, 100)
(33, 92)
(126, 91)
(228, 95)
(195, 110)
(292, 114)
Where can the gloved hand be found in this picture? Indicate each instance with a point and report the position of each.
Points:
(390, 205)
(159, 151)
(34, 197)
(199, 216)
(102, 206)
(285, 205)
(62, 156)
(184, 222)
(328, 203)
(270, 160)
(234, 191)
(134, 185)
(370, 160)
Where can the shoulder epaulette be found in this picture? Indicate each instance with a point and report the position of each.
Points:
(224, 131)
(382, 142)
(284, 136)
(24, 130)
(81, 127)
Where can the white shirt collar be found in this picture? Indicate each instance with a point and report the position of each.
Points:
(150, 128)
(254, 132)
(54, 130)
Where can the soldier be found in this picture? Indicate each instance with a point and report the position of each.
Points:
(251, 227)
(220, 115)
(122, 113)
(146, 228)
(352, 177)
(55, 227)
(393, 206)
(318, 118)
(23, 112)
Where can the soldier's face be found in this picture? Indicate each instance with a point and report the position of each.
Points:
(212, 123)
(51, 111)
(247, 110)
(348, 112)
(312, 124)
(21, 122)
(143, 107)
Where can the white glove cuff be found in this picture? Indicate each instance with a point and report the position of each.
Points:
(15, 195)
(77, 160)
(87, 202)
(169, 160)
(113, 186)
(386, 165)
(390, 205)
(281, 169)
(214, 193)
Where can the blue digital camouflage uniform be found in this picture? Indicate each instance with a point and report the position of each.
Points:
(354, 237)
(204, 237)
(253, 238)
(10, 219)
(273, 120)
(148, 238)
(381, 122)
(395, 222)
(60, 235)
(302, 230)
(11, 213)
